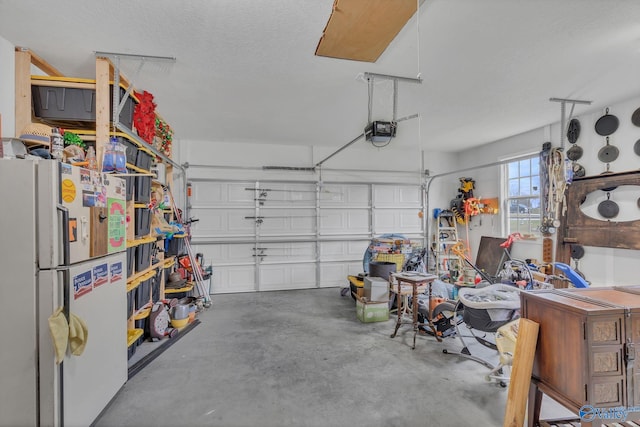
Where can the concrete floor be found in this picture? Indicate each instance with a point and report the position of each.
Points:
(302, 359)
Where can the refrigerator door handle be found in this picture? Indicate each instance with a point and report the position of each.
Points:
(84, 225)
(66, 253)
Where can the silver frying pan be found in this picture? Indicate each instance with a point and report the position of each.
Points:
(608, 153)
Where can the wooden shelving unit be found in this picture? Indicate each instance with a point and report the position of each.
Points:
(98, 134)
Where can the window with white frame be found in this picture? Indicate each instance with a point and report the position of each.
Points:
(522, 196)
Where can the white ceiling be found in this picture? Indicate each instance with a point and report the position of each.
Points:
(246, 70)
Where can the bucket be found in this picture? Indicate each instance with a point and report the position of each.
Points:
(381, 269)
(469, 275)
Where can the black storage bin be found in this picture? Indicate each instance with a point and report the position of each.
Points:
(131, 260)
(131, 302)
(130, 182)
(143, 294)
(167, 272)
(143, 160)
(180, 295)
(131, 350)
(143, 256)
(144, 325)
(143, 189)
(175, 245)
(142, 222)
(132, 150)
(155, 289)
(69, 104)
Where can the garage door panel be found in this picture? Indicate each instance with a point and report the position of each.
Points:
(233, 279)
(221, 194)
(397, 221)
(335, 274)
(397, 195)
(287, 276)
(278, 194)
(342, 221)
(288, 252)
(346, 250)
(223, 222)
(226, 253)
(344, 195)
(287, 221)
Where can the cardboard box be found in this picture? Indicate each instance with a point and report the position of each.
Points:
(368, 312)
(376, 289)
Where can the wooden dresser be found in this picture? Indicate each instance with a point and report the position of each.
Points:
(586, 352)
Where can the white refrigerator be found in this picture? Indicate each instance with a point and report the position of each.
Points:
(63, 239)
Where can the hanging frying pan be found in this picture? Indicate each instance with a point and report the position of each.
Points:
(608, 153)
(574, 153)
(607, 124)
(573, 130)
(577, 251)
(636, 147)
(635, 117)
(578, 170)
(608, 209)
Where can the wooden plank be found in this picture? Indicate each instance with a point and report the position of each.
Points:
(43, 65)
(23, 90)
(103, 111)
(361, 30)
(63, 83)
(521, 373)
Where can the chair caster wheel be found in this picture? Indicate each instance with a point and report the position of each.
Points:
(445, 351)
(503, 384)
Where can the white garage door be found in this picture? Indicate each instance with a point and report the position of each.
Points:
(262, 236)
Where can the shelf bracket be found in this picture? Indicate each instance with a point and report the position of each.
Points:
(563, 103)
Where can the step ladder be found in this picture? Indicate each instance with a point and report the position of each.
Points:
(448, 263)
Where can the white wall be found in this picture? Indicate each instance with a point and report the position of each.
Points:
(7, 88)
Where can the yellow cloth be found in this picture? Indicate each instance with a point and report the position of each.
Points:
(59, 329)
(78, 334)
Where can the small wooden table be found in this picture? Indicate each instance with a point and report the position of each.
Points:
(415, 280)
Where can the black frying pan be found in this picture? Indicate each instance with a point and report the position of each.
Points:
(607, 124)
(577, 251)
(574, 153)
(608, 209)
(635, 117)
(573, 130)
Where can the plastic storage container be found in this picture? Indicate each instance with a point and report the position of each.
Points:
(175, 245)
(132, 150)
(142, 222)
(155, 288)
(131, 260)
(143, 160)
(143, 189)
(130, 182)
(143, 294)
(131, 301)
(143, 256)
(70, 104)
(131, 350)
